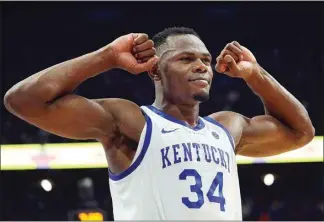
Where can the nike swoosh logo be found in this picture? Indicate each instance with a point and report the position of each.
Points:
(168, 131)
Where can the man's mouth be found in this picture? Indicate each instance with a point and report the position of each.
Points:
(200, 81)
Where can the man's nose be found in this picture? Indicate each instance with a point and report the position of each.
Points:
(199, 67)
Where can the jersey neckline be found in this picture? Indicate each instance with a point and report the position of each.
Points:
(164, 115)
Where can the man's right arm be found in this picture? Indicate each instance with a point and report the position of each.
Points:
(45, 99)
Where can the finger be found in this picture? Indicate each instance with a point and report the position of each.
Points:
(220, 68)
(146, 66)
(240, 47)
(228, 52)
(145, 59)
(142, 37)
(235, 49)
(134, 35)
(237, 45)
(220, 58)
(146, 53)
(231, 64)
(221, 65)
(144, 46)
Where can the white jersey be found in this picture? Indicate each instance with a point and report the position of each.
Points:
(179, 173)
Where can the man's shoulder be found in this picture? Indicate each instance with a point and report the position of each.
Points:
(226, 117)
(127, 115)
(232, 121)
(105, 102)
(119, 106)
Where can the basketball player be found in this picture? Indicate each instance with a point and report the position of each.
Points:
(165, 161)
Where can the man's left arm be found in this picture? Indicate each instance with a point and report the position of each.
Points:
(285, 126)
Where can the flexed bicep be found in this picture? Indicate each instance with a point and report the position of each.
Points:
(267, 136)
(75, 117)
(260, 136)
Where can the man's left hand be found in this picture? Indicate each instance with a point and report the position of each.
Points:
(236, 61)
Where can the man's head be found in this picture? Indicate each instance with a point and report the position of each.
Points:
(184, 69)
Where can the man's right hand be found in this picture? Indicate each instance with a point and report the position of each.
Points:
(134, 53)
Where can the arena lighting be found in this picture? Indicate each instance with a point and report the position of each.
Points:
(86, 182)
(89, 210)
(46, 185)
(85, 189)
(268, 179)
(91, 155)
(95, 214)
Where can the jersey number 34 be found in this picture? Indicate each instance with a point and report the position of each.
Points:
(196, 188)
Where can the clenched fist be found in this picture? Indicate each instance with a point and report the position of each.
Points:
(134, 53)
(236, 61)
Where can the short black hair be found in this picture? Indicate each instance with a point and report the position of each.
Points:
(161, 37)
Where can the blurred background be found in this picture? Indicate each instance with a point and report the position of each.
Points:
(46, 177)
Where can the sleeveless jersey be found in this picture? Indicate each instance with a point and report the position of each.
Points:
(179, 173)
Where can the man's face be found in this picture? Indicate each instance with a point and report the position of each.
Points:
(185, 67)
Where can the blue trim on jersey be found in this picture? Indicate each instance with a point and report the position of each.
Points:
(211, 120)
(199, 126)
(140, 157)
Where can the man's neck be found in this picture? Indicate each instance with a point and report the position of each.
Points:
(186, 113)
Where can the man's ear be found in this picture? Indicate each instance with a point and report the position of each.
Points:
(154, 73)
